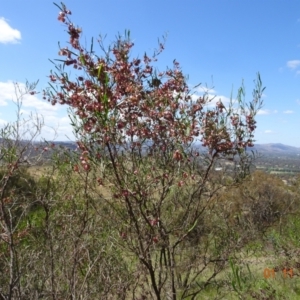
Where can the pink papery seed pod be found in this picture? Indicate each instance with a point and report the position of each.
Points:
(125, 193)
(61, 17)
(168, 116)
(177, 155)
(121, 125)
(180, 183)
(153, 222)
(83, 162)
(85, 153)
(87, 167)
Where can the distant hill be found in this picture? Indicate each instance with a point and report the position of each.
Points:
(272, 148)
(275, 148)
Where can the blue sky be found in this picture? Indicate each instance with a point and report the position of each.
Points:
(218, 43)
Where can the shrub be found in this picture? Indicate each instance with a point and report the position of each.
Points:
(141, 123)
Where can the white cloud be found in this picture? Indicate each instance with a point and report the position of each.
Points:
(8, 94)
(2, 122)
(213, 99)
(263, 112)
(40, 106)
(55, 127)
(293, 64)
(58, 129)
(8, 34)
(211, 96)
(32, 107)
(268, 131)
(288, 112)
(205, 90)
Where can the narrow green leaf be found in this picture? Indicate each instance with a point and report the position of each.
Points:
(82, 59)
(238, 278)
(52, 61)
(233, 285)
(193, 226)
(57, 6)
(52, 86)
(99, 70)
(92, 45)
